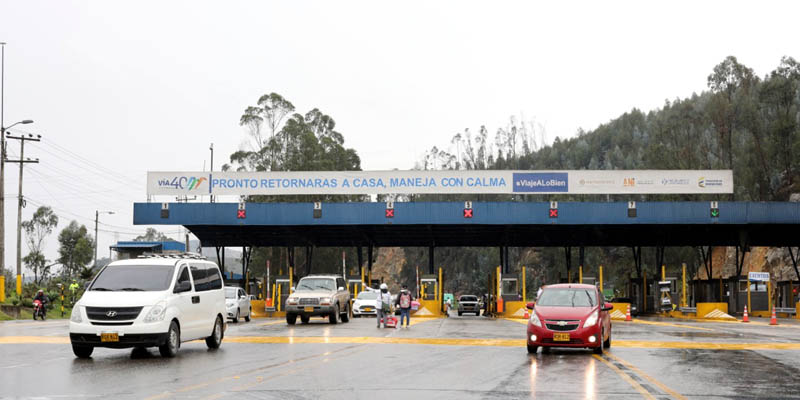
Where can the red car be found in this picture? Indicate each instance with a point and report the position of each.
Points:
(569, 315)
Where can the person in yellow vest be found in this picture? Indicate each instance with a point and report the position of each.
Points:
(73, 289)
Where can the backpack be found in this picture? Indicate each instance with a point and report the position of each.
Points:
(405, 300)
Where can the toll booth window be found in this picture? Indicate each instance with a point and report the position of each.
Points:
(430, 289)
(754, 286)
(510, 286)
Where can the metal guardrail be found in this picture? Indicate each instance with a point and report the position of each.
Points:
(787, 310)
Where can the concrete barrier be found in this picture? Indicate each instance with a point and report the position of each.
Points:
(514, 309)
(619, 309)
(258, 308)
(713, 311)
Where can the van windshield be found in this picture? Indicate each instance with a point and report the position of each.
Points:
(134, 278)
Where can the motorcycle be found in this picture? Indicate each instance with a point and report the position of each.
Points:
(38, 310)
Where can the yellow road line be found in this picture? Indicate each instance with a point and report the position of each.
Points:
(488, 342)
(659, 323)
(273, 322)
(652, 380)
(626, 378)
(517, 320)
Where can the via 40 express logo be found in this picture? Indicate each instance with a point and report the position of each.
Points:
(182, 182)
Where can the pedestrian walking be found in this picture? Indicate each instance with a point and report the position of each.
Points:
(403, 301)
(384, 303)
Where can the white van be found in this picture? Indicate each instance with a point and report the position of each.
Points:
(150, 301)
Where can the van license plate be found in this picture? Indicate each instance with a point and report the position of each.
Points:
(109, 337)
(309, 309)
(561, 337)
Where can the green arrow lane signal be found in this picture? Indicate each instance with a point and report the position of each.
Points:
(715, 212)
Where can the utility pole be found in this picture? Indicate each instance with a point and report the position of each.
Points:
(212, 166)
(96, 219)
(22, 161)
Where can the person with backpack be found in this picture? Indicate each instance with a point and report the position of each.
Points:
(384, 303)
(403, 301)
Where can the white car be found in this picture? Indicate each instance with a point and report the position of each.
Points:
(366, 303)
(152, 301)
(237, 303)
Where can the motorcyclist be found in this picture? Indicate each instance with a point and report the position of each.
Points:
(42, 298)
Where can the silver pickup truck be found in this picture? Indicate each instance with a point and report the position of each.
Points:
(469, 304)
(319, 295)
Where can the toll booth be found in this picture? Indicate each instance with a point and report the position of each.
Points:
(788, 294)
(665, 300)
(665, 290)
(589, 280)
(510, 289)
(355, 286)
(431, 296)
(429, 287)
(758, 296)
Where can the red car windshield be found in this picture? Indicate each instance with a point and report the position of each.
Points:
(567, 297)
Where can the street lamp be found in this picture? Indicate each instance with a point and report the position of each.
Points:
(96, 218)
(3, 201)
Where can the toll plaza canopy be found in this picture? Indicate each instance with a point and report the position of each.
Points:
(486, 224)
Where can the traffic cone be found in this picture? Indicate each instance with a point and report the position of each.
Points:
(773, 320)
(628, 313)
(527, 315)
(745, 318)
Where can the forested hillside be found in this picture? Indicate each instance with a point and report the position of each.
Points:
(743, 122)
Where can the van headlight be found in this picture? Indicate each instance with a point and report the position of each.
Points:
(156, 313)
(535, 320)
(292, 301)
(325, 301)
(591, 320)
(75, 316)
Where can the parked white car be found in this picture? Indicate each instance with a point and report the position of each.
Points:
(152, 301)
(237, 303)
(366, 303)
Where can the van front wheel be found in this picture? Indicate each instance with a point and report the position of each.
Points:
(170, 348)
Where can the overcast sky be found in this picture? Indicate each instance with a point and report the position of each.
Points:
(120, 88)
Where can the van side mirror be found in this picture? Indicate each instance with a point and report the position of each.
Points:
(182, 287)
(341, 289)
(530, 305)
(292, 289)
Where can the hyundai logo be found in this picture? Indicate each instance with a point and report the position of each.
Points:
(111, 314)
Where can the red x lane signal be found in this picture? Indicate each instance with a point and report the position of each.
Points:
(467, 213)
(390, 213)
(241, 214)
(553, 213)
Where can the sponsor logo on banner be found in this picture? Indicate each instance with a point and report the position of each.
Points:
(703, 182)
(674, 182)
(541, 182)
(182, 182)
(629, 182)
(590, 182)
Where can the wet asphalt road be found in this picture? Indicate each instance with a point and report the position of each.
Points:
(458, 358)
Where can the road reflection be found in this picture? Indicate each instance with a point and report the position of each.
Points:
(589, 379)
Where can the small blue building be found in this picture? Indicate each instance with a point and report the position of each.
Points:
(131, 249)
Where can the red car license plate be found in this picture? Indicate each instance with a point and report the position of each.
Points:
(561, 337)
